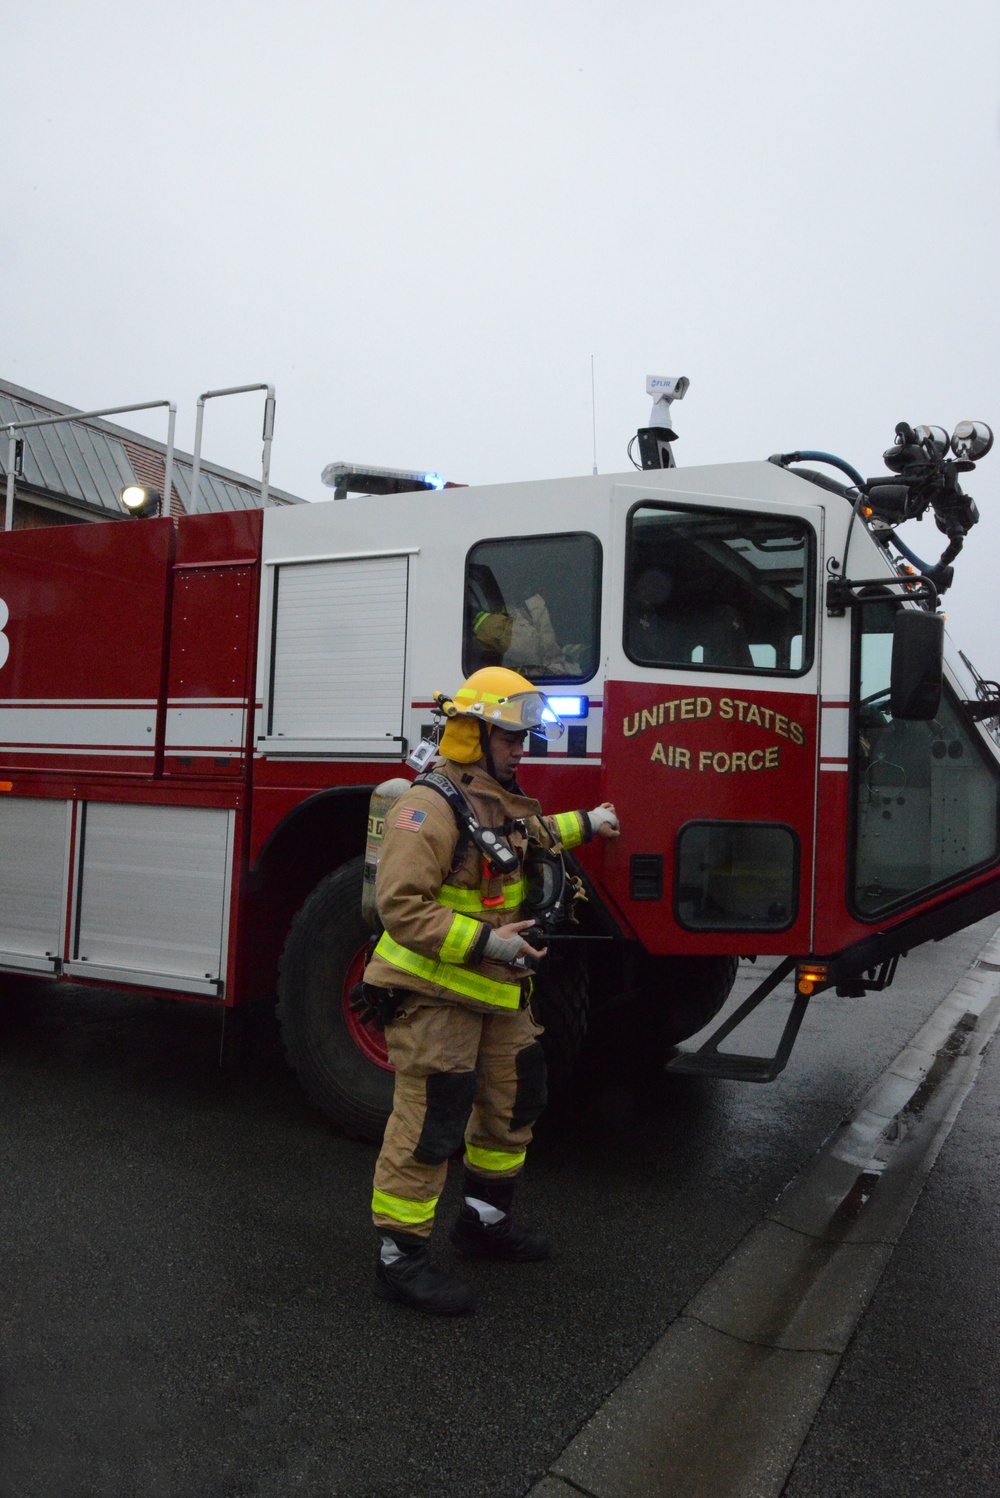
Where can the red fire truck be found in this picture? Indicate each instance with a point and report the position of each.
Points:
(747, 659)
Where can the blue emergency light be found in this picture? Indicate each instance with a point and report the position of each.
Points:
(561, 708)
(363, 478)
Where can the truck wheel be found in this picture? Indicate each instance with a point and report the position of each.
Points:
(343, 1065)
(561, 1002)
(683, 993)
(668, 999)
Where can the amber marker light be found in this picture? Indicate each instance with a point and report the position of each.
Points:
(810, 976)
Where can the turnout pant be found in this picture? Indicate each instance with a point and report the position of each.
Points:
(460, 1073)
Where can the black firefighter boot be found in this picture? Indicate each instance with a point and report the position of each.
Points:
(404, 1273)
(499, 1238)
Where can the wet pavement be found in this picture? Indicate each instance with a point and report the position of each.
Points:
(185, 1257)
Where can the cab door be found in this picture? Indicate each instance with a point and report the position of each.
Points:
(925, 795)
(711, 713)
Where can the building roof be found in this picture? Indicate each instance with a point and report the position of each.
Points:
(84, 464)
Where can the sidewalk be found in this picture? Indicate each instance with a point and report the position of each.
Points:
(914, 1411)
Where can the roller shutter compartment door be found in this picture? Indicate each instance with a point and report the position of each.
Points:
(33, 851)
(339, 656)
(154, 894)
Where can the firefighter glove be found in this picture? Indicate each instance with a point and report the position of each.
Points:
(602, 816)
(503, 948)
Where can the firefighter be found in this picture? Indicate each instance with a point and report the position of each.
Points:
(459, 1027)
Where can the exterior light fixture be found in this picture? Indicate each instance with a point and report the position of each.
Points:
(363, 478)
(935, 435)
(971, 440)
(565, 707)
(810, 976)
(140, 501)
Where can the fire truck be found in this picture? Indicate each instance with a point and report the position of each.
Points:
(748, 660)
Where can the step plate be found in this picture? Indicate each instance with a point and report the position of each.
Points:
(730, 1067)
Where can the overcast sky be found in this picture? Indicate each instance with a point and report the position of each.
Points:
(419, 219)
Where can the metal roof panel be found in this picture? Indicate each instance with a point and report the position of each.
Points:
(73, 459)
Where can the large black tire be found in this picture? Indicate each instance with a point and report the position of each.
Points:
(323, 1044)
(561, 1003)
(664, 1000)
(681, 994)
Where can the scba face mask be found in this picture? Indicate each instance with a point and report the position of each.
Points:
(547, 887)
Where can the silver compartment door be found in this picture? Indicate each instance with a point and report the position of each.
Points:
(154, 895)
(339, 654)
(34, 838)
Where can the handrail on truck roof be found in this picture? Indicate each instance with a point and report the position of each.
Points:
(13, 427)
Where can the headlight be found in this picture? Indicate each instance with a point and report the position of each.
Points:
(937, 435)
(971, 440)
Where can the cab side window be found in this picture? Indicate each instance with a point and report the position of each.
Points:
(719, 590)
(533, 604)
(926, 795)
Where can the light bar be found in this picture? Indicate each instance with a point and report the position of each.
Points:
(560, 708)
(364, 478)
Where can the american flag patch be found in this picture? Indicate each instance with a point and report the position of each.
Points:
(410, 820)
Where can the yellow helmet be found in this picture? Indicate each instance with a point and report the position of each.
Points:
(500, 699)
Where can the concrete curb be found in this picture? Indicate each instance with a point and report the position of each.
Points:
(720, 1405)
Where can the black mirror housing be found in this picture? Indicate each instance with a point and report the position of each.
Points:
(917, 663)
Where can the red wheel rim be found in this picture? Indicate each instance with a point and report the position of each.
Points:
(369, 1040)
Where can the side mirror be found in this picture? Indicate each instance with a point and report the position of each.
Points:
(917, 659)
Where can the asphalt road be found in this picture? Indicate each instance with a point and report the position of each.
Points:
(185, 1258)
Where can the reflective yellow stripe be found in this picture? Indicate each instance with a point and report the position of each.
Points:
(495, 1160)
(401, 1210)
(461, 934)
(461, 980)
(569, 826)
(469, 694)
(471, 900)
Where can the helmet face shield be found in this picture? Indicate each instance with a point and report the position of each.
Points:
(524, 710)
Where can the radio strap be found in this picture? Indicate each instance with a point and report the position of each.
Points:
(499, 854)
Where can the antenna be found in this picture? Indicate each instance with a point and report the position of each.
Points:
(593, 409)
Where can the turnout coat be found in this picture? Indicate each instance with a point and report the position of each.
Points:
(438, 897)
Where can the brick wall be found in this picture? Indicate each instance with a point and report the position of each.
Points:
(28, 515)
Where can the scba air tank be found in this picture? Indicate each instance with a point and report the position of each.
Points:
(382, 799)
